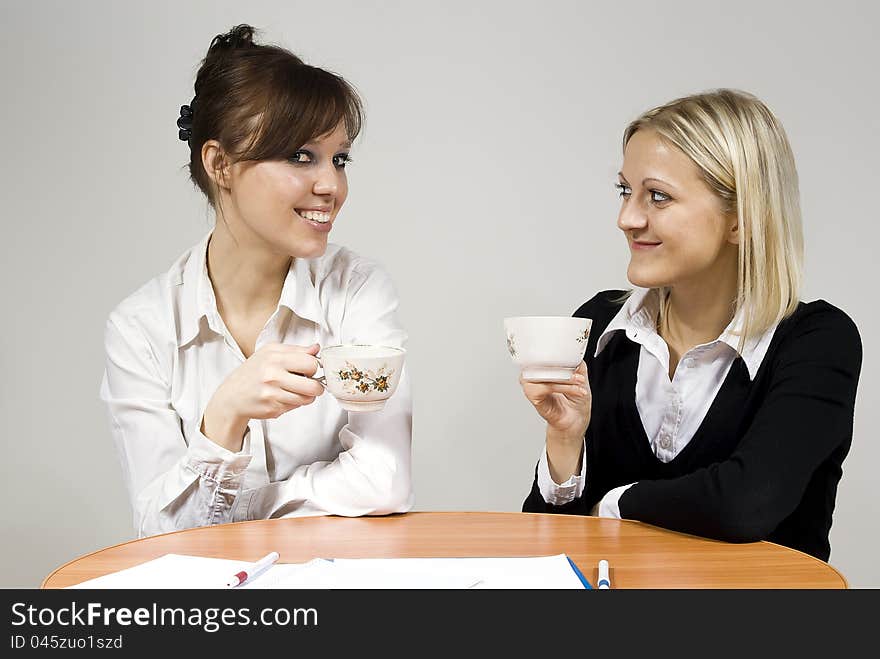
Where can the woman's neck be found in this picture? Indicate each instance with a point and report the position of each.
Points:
(246, 275)
(691, 320)
(698, 313)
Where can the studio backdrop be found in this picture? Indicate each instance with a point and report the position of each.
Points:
(483, 183)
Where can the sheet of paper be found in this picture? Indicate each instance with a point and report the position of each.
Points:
(170, 571)
(182, 571)
(317, 573)
(322, 574)
(495, 573)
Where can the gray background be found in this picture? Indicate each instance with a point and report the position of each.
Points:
(483, 182)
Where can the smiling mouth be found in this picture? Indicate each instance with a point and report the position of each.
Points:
(321, 217)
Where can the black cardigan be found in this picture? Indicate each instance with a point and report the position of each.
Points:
(767, 458)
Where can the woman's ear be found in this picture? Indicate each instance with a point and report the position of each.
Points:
(216, 163)
(733, 232)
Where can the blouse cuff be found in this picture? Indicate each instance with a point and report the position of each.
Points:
(214, 462)
(559, 494)
(609, 506)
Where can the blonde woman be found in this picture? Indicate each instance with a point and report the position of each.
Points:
(711, 400)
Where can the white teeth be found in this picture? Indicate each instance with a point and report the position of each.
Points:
(317, 216)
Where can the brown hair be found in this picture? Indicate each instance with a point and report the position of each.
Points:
(263, 103)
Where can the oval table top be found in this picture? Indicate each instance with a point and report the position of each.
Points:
(640, 555)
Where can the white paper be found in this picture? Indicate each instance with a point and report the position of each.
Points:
(334, 575)
(186, 572)
(173, 571)
(552, 572)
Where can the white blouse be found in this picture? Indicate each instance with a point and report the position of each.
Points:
(671, 410)
(167, 352)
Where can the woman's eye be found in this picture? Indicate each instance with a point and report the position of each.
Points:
(300, 157)
(659, 197)
(624, 190)
(341, 160)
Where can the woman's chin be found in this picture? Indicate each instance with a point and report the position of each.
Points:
(639, 277)
(307, 249)
(314, 251)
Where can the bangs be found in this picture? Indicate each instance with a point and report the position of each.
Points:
(301, 103)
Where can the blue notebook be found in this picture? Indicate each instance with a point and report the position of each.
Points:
(579, 574)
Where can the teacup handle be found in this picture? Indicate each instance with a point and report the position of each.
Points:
(317, 378)
(323, 377)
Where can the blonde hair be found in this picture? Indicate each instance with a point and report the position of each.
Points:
(745, 158)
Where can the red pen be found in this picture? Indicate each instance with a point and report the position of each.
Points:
(253, 570)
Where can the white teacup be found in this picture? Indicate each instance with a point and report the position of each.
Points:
(361, 377)
(547, 348)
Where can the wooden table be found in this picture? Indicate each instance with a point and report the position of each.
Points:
(640, 555)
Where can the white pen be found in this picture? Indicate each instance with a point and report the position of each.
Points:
(604, 580)
(253, 570)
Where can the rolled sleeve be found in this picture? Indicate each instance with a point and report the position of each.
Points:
(171, 484)
(559, 494)
(215, 462)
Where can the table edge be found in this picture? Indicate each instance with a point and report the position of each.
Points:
(441, 512)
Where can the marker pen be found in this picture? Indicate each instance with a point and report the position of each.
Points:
(253, 570)
(604, 579)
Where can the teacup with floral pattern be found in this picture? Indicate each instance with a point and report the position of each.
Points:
(361, 377)
(547, 348)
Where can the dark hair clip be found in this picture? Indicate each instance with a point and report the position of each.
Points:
(185, 122)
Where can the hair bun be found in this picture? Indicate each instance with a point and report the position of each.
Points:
(241, 36)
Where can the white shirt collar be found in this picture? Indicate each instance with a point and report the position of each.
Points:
(197, 294)
(639, 314)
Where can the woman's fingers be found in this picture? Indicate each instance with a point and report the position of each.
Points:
(288, 400)
(541, 390)
(578, 379)
(578, 376)
(565, 406)
(541, 396)
(300, 384)
(298, 359)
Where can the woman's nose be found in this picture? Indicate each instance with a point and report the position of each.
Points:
(631, 217)
(327, 180)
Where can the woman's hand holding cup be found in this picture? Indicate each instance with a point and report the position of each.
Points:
(549, 351)
(566, 407)
(272, 381)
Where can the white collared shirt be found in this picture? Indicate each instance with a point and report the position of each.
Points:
(671, 410)
(167, 352)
